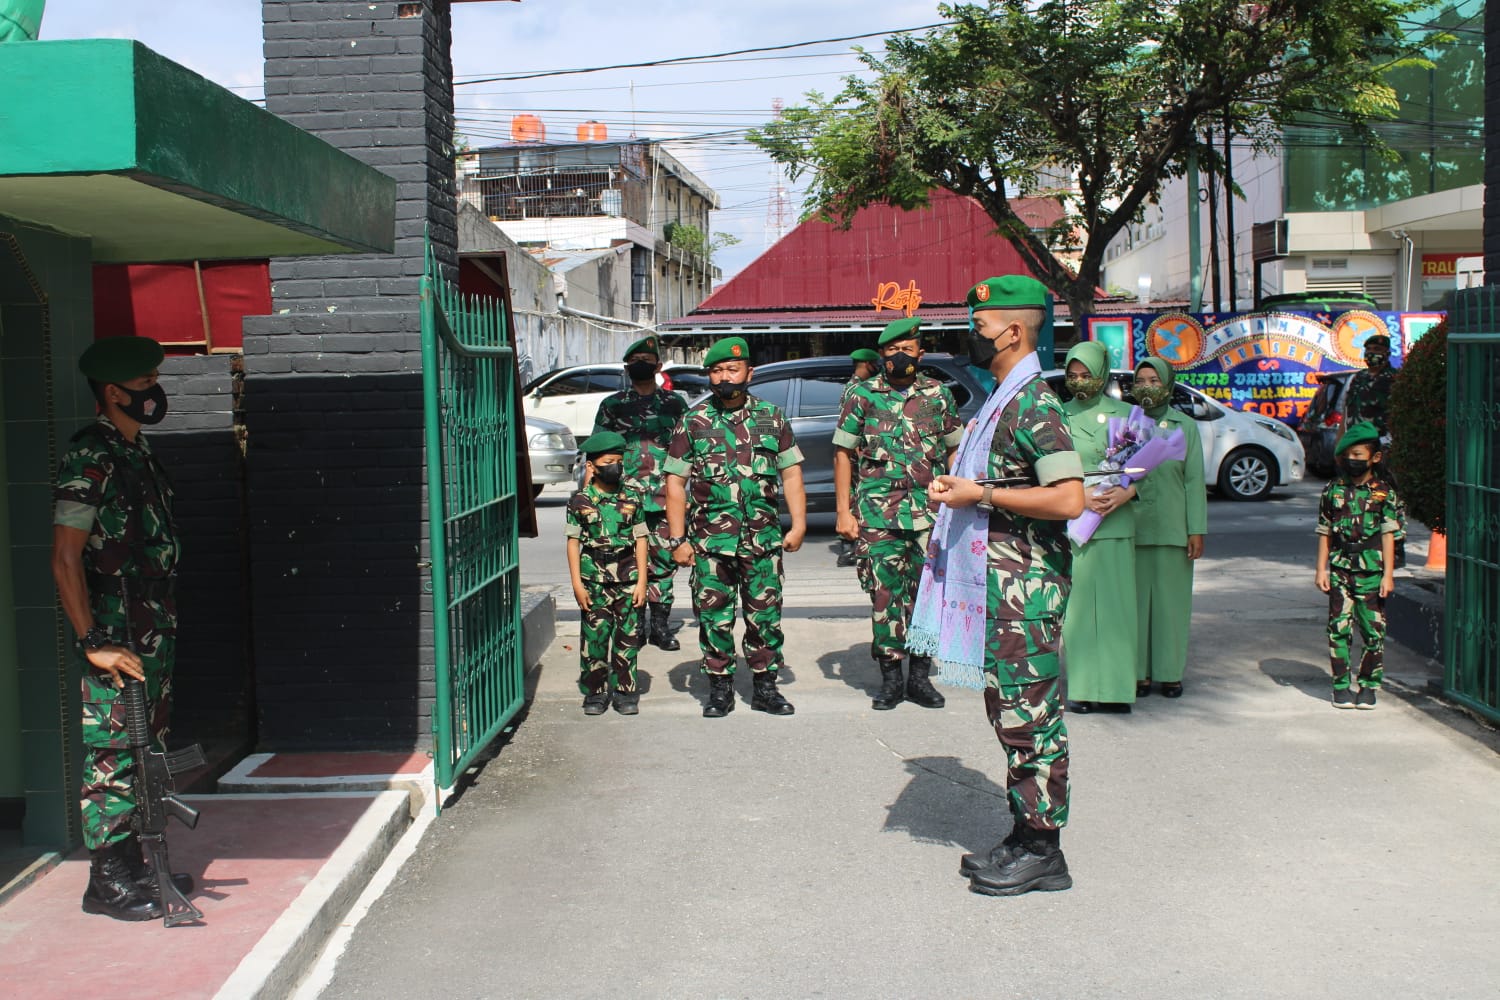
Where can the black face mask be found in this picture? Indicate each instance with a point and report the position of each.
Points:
(1377, 360)
(640, 371)
(148, 406)
(728, 390)
(1355, 467)
(609, 475)
(982, 350)
(900, 365)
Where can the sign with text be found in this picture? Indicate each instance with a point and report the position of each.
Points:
(891, 295)
(1262, 362)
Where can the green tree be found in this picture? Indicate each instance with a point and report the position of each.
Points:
(692, 239)
(1419, 428)
(1095, 102)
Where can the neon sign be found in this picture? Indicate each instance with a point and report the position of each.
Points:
(890, 295)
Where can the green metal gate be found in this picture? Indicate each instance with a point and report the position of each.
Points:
(1471, 636)
(470, 414)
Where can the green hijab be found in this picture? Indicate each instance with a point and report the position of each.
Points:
(1166, 374)
(1094, 355)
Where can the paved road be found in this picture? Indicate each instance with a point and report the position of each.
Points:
(1246, 841)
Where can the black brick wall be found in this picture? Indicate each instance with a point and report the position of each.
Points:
(333, 402)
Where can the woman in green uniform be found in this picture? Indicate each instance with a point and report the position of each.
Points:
(1099, 627)
(1171, 519)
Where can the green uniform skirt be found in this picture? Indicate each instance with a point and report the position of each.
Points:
(1099, 628)
(1164, 592)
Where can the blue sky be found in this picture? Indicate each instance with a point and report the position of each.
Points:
(221, 39)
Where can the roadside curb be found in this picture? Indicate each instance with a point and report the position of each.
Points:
(538, 626)
(294, 942)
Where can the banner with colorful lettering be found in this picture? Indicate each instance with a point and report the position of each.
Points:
(1262, 362)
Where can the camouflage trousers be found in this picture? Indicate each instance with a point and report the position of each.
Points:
(1023, 700)
(756, 580)
(890, 561)
(611, 639)
(662, 568)
(107, 798)
(1354, 601)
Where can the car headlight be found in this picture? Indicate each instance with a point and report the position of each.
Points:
(554, 442)
(1278, 428)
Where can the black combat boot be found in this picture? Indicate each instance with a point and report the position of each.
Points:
(766, 698)
(720, 696)
(111, 890)
(1035, 864)
(144, 876)
(892, 687)
(660, 633)
(971, 863)
(846, 553)
(919, 690)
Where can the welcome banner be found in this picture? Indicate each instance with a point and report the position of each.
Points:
(1262, 362)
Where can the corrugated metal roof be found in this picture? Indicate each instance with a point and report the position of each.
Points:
(784, 319)
(943, 248)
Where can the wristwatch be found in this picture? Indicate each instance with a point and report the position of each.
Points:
(97, 637)
(676, 541)
(987, 499)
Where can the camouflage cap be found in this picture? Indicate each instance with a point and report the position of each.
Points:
(646, 344)
(1363, 432)
(728, 349)
(1378, 341)
(1009, 291)
(866, 355)
(120, 359)
(603, 443)
(902, 329)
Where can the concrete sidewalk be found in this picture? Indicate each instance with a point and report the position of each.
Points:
(1246, 841)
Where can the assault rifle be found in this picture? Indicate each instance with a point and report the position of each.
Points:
(156, 798)
(1021, 482)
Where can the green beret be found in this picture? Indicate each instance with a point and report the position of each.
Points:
(728, 349)
(902, 329)
(1009, 291)
(1363, 432)
(866, 355)
(1379, 341)
(603, 443)
(120, 359)
(647, 344)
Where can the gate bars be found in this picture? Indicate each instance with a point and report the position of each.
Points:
(470, 410)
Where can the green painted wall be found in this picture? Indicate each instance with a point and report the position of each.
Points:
(44, 401)
(11, 785)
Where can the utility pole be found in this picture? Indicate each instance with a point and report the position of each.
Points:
(1213, 229)
(1234, 297)
(1195, 234)
(778, 206)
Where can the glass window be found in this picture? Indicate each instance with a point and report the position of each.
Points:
(772, 392)
(566, 385)
(606, 380)
(821, 397)
(958, 389)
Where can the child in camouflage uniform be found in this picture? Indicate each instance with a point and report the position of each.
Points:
(607, 559)
(1359, 518)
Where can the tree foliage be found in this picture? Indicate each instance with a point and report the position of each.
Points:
(1095, 102)
(692, 239)
(1419, 428)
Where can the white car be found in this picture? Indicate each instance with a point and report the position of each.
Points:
(553, 452)
(572, 395)
(1245, 454)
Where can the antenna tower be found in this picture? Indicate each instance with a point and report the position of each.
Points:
(779, 205)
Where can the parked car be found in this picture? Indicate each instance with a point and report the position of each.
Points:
(1245, 455)
(572, 395)
(1324, 421)
(553, 451)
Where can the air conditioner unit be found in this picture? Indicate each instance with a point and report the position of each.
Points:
(1268, 240)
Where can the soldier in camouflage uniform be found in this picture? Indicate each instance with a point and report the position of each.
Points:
(1029, 560)
(1358, 519)
(607, 554)
(646, 415)
(735, 450)
(114, 558)
(866, 365)
(1370, 390)
(898, 430)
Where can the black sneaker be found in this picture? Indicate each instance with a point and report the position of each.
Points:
(1344, 698)
(1365, 699)
(628, 702)
(596, 703)
(1033, 865)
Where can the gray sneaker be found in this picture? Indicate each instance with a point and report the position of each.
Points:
(1365, 699)
(1344, 698)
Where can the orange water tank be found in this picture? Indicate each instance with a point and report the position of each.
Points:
(592, 131)
(527, 128)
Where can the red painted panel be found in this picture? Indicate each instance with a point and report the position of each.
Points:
(161, 301)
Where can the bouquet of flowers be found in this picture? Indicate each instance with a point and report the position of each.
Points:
(1136, 446)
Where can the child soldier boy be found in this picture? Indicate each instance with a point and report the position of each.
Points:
(607, 552)
(1358, 520)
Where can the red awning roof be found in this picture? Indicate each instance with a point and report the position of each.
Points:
(943, 249)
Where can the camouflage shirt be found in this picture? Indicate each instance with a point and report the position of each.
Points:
(900, 440)
(1032, 559)
(118, 492)
(1354, 517)
(606, 526)
(1370, 397)
(732, 460)
(849, 387)
(646, 423)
